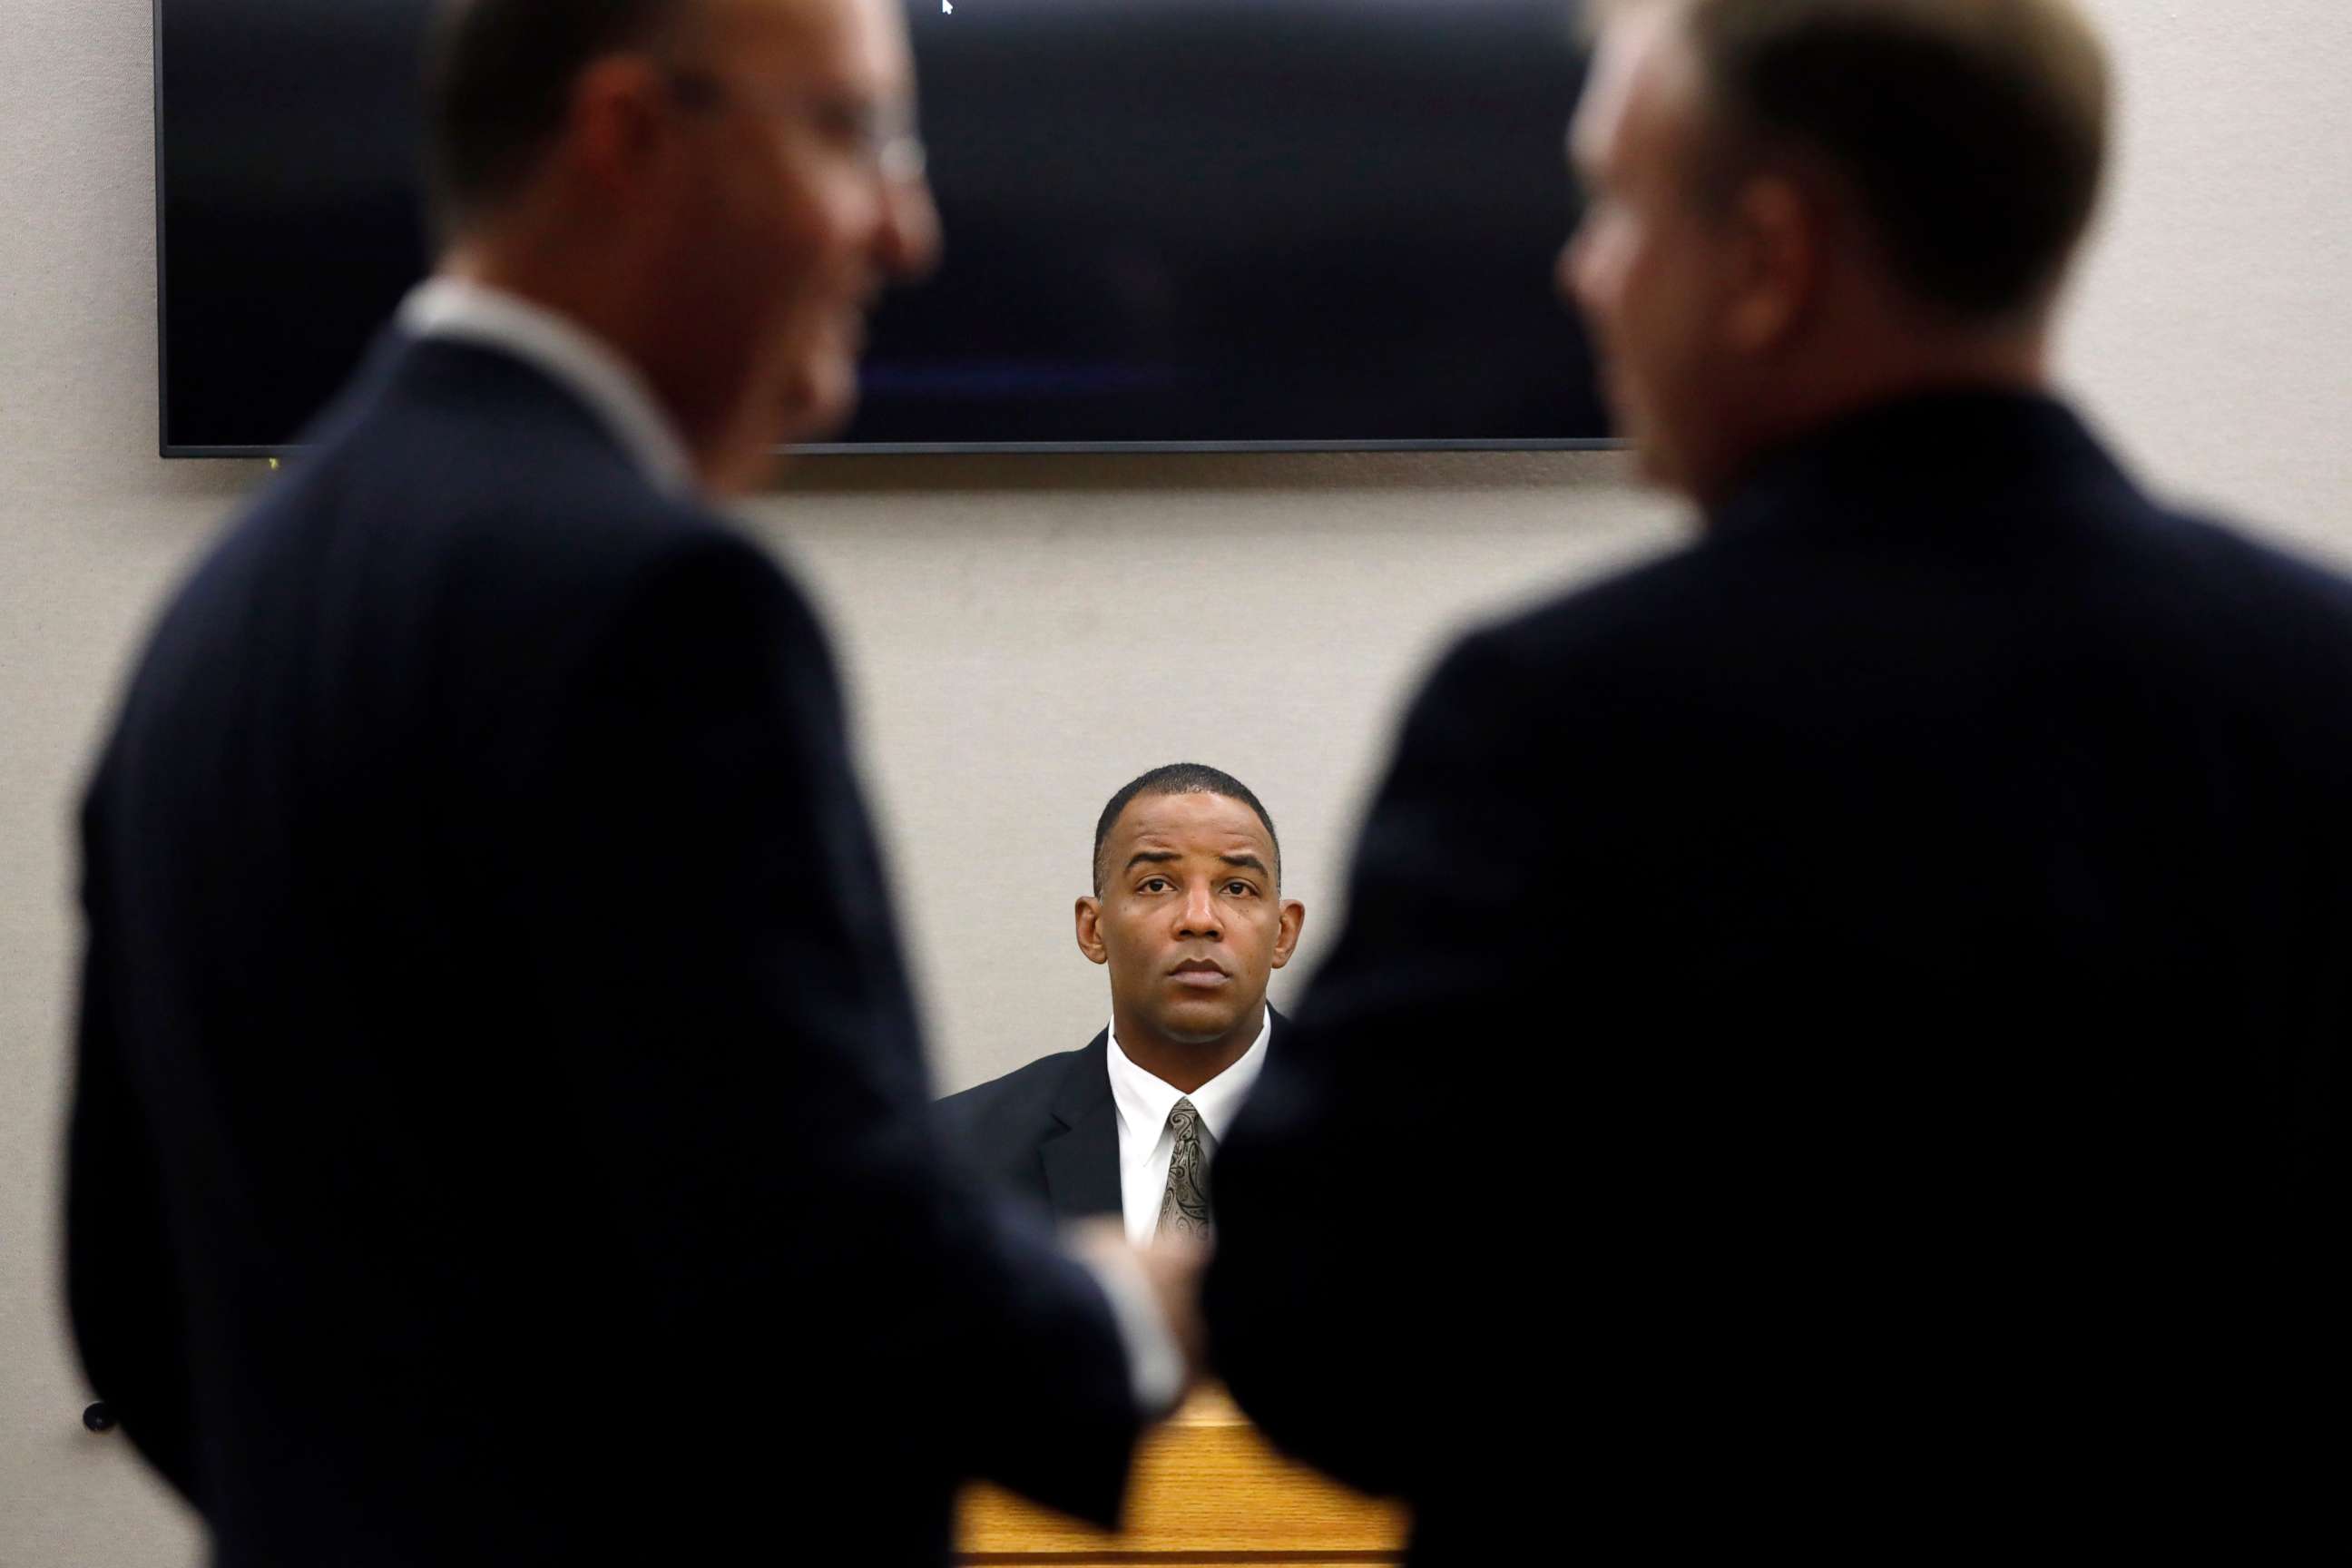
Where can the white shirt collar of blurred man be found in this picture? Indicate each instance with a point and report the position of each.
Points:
(461, 311)
(1145, 1144)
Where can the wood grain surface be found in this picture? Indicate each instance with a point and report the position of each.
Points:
(1206, 1492)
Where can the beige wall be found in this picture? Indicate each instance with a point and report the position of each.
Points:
(1023, 635)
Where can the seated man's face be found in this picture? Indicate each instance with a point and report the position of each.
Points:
(1190, 919)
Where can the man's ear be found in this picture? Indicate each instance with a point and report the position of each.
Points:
(1286, 935)
(1090, 941)
(1775, 251)
(616, 123)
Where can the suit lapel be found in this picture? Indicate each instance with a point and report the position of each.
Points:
(1082, 1159)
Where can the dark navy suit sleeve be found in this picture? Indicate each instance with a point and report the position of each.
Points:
(751, 1059)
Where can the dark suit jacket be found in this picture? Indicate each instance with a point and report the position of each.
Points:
(1914, 922)
(500, 1133)
(1049, 1131)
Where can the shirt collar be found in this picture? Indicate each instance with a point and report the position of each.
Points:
(1144, 1101)
(462, 310)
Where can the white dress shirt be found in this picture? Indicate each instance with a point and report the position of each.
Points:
(568, 354)
(1146, 1146)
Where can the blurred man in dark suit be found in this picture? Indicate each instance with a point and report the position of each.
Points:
(1187, 914)
(1903, 937)
(500, 1133)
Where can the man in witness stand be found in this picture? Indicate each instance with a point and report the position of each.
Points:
(1187, 915)
(500, 1133)
(1838, 1034)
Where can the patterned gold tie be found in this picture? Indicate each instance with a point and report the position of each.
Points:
(1184, 1207)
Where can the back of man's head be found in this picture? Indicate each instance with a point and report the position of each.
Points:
(1802, 208)
(1970, 134)
(498, 84)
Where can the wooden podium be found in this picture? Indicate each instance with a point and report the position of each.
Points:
(1206, 1492)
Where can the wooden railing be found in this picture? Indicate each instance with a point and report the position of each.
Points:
(1207, 1493)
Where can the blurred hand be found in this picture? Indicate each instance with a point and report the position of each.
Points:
(1172, 1268)
(1175, 1269)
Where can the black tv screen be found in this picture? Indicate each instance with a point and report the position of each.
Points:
(1316, 223)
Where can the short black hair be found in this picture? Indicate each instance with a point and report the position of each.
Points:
(1182, 778)
(497, 83)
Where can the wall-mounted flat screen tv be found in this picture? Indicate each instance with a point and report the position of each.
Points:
(1170, 224)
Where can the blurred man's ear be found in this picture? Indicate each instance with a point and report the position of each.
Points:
(1773, 249)
(1285, 937)
(619, 121)
(1090, 941)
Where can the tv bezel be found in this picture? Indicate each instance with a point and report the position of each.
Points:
(168, 448)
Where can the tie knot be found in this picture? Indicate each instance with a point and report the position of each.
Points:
(1183, 1119)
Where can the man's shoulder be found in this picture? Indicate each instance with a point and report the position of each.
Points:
(1024, 1095)
(1503, 676)
(2223, 563)
(1782, 592)
(488, 485)
(480, 426)
(2255, 626)
(491, 542)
